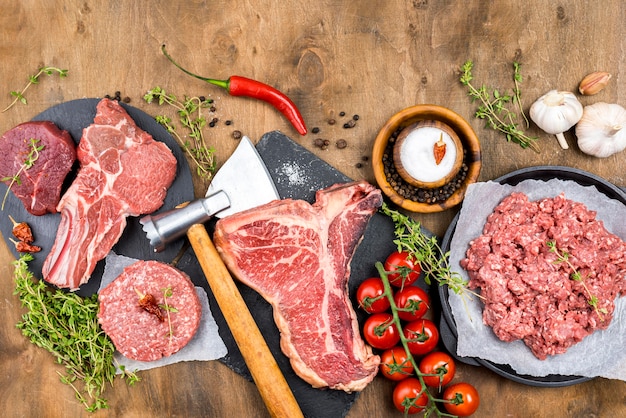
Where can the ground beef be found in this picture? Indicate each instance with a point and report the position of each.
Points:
(528, 291)
(137, 332)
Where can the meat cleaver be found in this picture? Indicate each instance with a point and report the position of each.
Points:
(242, 183)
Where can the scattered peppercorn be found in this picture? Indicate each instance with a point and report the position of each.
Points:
(237, 134)
(228, 122)
(349, 124)
(342, 114)
(355, 117)
(315, 130)
(358, 165)
(341, 144)
(331, 121)
(365, 158)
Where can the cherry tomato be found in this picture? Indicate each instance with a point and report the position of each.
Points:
(437, 363)
(395, 365)
(371, 295)
(380, 331)
(423, 336)
(403, 267)
(413, 302)
(462, 399)
(407, 397)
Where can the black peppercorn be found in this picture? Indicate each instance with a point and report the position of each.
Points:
(237, 134)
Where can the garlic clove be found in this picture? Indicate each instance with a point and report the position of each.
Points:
(594, 82)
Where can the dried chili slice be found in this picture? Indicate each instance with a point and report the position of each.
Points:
(439, 150)
(148, 304)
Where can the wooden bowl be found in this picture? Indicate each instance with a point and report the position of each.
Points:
(414, 154)
(415, 114)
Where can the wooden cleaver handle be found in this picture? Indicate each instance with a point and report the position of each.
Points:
(269, 380)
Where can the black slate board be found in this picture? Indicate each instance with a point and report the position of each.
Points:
(298, 174)
(73, 116)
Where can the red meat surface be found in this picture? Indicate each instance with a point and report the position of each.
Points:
(297, 256)
(123, 172)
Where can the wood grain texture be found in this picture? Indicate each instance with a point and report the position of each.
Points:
(371, 58)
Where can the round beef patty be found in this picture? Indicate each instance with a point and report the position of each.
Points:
(164, 325)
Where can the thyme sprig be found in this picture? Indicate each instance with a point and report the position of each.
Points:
(34, 79)
(494, 108)
(66, 325)
(167, 293)
(190, 117)
(426, 250)
(33, 155)
(563, 257)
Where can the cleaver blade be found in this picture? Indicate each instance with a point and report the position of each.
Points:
(243, 182)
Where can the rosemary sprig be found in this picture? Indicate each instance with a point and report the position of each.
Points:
(66, 325)
(33, 155)
(493, 107)
(563, 257)
(34, 79)
(190, 117)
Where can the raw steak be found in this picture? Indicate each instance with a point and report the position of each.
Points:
(297, 256)
(39, 187)
(123, 172)
(137, 333)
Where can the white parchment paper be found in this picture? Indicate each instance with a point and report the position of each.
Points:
(206, 343)
(602, 353)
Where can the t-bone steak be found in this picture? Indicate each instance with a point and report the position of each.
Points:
(123, 172)
(149, 331)
(52, 153)
(297, 256)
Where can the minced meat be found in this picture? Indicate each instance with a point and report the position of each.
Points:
(528, 287)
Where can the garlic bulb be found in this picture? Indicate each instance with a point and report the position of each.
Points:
(555, 112)
(602, 129)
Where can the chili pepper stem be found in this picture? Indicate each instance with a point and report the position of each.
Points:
(220, 83)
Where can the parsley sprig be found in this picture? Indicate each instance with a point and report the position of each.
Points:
(190, 117)
(34, 79)
(33, 155)
(563, 257)
(66, 325)
(494, 107)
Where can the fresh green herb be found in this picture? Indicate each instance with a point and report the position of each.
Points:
(34, 79)
(494, 107)
(563, 257)
(167, 293)
(66, 325)
(190, 116)
(32, 156)
(426, 250)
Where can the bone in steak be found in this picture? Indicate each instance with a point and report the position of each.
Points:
(123, 172)
(297, 256)
(39, 186)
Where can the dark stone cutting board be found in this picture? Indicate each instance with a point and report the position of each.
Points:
(74, 116)
(298, 174)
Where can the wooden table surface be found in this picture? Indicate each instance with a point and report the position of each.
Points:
(371, 58)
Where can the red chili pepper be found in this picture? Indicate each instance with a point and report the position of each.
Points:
(242, 86)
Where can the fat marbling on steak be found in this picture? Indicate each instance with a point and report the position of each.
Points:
(53, 153)
(123, 172)
(297, 256)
